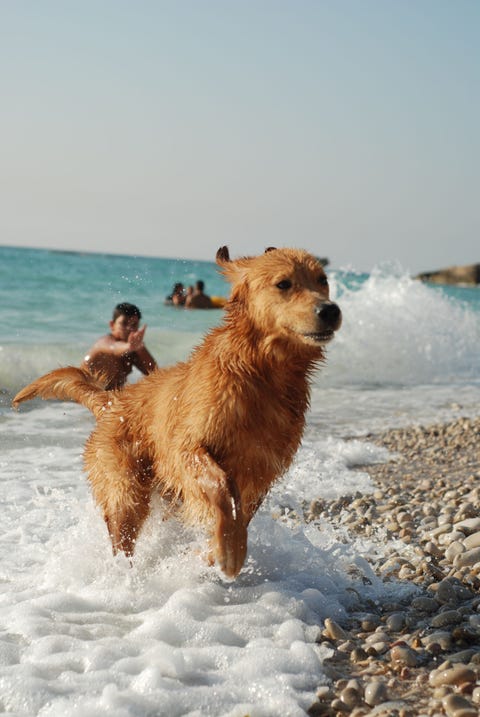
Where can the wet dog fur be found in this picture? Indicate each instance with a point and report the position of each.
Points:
(213, 433)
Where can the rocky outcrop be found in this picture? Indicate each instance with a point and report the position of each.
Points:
(469, 274)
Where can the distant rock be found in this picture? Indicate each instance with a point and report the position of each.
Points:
(469, 274)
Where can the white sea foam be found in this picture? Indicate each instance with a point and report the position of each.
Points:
(398, 331)
(84, 633)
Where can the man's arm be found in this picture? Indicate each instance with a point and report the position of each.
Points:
(111, 347)
(142, 358)
(144, 361)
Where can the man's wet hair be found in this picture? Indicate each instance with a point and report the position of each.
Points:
(126, 309)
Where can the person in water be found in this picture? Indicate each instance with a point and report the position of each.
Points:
(177, 297)
(198, 299)
(113, 356)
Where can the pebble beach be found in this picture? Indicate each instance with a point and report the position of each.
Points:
(420, 656)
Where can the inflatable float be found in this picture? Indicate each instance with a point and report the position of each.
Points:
(218, 301)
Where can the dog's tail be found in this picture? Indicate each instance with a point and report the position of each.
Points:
(69, 383)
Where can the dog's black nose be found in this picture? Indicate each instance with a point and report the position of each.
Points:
(330, 314)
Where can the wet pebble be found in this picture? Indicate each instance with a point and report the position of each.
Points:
(472, 541)
(446, 592)
(456, 675)
(375, 693)
(458, 706)
(455, 548)
(476, 696)
(441, 638)
(469, 557)
(350, 697)
(469, 526)
(370, 622)
(333, 630)
(447, 617)
(404, 654)
(395, 621)
(425, 604)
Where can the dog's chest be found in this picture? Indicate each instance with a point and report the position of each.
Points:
(263, 418)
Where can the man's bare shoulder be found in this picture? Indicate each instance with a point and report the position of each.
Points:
(103, 343)
(200, 301)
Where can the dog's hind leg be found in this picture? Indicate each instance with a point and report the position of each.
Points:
(123, 493)
(230, 534)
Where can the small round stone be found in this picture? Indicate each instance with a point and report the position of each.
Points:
(447, 617)
(358, 654)
(396, 621)
(375, 693)
(446, 592)
(472, 541)
(404, 655)
(456, 675)
(334, 630)
(458, 706)
(350, 697)
(425, 604)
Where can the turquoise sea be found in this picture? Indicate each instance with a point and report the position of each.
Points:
(58, 303)
(84, 633)
(397, 332)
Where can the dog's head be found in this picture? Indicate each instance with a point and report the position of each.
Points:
(285, 293)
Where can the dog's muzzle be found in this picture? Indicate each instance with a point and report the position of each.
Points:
(329, 321)
(330, 314)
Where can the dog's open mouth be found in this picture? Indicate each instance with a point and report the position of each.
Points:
(321, 337)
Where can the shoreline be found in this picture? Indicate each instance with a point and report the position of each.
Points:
(419, 656)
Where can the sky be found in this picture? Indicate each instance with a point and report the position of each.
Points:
(169, 128)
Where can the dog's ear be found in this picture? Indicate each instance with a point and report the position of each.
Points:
(223, 255)
(233, 270)
(270, 248)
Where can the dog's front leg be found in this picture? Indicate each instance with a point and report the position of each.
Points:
(221, 491)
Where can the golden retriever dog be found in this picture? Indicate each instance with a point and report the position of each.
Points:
(213, 433)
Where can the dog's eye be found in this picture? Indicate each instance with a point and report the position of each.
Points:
(323, 281)
(284, 284)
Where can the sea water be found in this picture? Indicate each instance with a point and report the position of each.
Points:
(83, 633)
